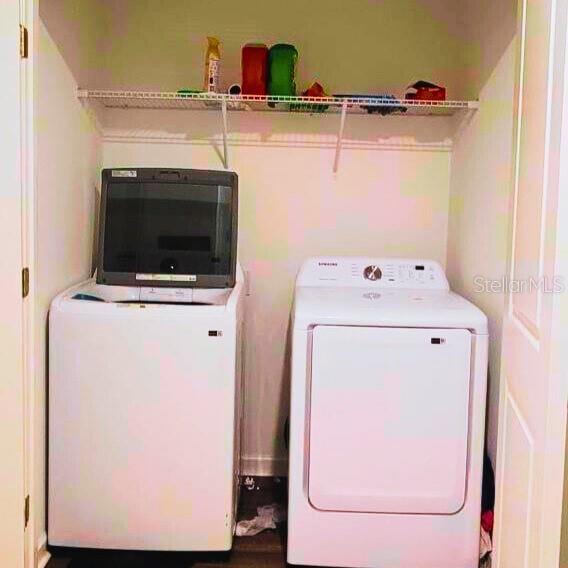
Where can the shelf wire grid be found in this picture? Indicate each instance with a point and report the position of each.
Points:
(214, 101)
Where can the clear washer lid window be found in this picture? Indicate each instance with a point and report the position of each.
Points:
(168, 228)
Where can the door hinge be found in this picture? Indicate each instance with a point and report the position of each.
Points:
(23, 42)
(25, 282)
(26, 511)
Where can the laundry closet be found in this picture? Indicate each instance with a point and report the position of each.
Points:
(432, 181)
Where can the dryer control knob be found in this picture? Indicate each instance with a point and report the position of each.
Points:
(372, 272)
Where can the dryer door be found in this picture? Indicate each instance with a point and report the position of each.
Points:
(389, 419)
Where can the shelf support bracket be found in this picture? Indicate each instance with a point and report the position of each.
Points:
(340, 137)
(225, 129)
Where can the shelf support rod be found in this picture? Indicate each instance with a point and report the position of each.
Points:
(225, 129)
(340, 137)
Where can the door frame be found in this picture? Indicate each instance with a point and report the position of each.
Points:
(35, 553)
(29, 18)
(554, 468)
(15, 374)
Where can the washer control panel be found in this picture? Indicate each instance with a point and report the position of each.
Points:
(173, 295)
(398, 273)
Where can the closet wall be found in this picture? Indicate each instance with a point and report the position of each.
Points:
(481, 176)
(69, 158)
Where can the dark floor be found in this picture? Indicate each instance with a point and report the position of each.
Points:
(267, 549)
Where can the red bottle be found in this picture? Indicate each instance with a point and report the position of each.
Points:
(254, 67)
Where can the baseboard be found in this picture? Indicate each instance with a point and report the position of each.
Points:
(264, 466)
(42, 555)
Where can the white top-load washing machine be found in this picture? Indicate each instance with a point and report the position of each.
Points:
(145, 380)
(387, 417)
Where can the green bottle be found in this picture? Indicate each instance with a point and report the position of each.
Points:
(282, 60)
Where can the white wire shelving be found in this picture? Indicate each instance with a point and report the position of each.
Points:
(342, 105)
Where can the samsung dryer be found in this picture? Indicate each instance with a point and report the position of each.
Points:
(388, 394)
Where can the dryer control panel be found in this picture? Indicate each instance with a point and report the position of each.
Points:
(366, 272)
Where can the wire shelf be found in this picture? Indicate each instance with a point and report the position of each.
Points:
(214, 101)
(339, 104)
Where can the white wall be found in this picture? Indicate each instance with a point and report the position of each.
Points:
(371, 46)
(78, 27)
(481, 181)
(390, 197)
(67, 174)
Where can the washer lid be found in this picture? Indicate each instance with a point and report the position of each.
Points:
(389, 419)
(385, 307)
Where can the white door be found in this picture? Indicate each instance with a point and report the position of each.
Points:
(11, 360)
(535, 339)
(389, 416)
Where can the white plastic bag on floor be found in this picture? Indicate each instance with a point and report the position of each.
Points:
(267, 517)
(485, 546)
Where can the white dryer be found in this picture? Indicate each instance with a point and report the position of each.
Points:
(389, 373)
